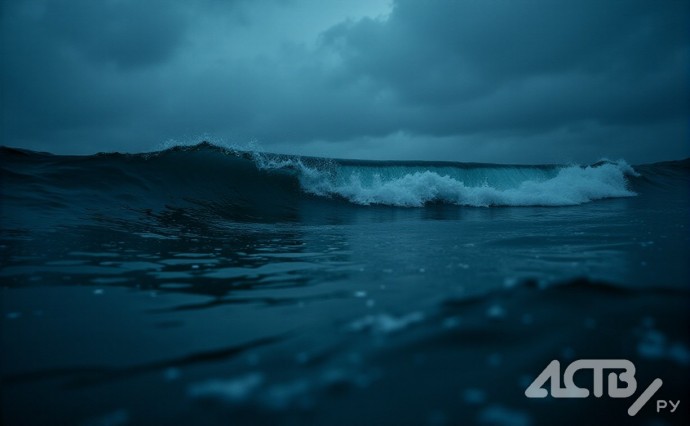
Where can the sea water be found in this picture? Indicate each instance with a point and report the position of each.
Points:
(201, 285)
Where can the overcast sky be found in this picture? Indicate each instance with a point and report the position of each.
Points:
(466, 80)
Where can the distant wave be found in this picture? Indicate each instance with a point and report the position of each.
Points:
(241, 184)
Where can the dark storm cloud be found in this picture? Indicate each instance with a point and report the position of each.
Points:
(68, 64)
(467, 80)
(524, 65)
(126, 33)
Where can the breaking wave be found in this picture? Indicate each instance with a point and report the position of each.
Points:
(414, 185)
(251, 185)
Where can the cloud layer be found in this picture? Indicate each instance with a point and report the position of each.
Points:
(499, 81)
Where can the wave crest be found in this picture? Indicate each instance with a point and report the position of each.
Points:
(416, 186)
(252, 185)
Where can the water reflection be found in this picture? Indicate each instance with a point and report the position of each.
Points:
(176, 253)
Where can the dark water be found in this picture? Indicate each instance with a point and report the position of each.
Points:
(203, 286)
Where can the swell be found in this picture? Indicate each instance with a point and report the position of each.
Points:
(207, 179)
(256, 186)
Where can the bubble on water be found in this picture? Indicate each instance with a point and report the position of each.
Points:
(495, 311)
(171, 374)
(474, 396)
(451, 322)
(384, 323)
(503, 416)
(232, 390)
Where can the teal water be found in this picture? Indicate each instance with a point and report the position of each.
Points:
(200, 286)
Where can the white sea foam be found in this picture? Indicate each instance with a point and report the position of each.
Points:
(415, 186)
(233, 390)
(384, 323)
(571, 186)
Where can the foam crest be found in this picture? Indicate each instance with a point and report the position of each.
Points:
(501, 186)
(462, 184)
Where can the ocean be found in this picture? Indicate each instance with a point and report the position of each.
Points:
(202, 285)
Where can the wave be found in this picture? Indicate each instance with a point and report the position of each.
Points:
(249, 184)
(476, 185)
